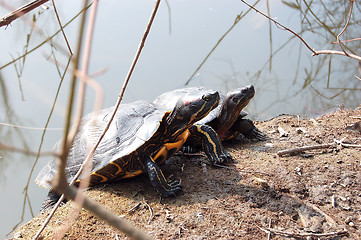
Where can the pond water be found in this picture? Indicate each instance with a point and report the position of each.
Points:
(182, 35)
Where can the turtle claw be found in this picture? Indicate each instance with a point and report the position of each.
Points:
(247, 128)
(257, 135)
(223, 158)
(172, 188)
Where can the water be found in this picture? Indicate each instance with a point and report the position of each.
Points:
(179, 41)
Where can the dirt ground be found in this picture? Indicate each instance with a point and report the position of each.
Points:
(312, 195)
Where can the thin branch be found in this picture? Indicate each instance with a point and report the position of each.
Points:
(280, 26)
(238, 18)
(47, 220)
(79, 198)
(270, 36)
(304, 148)
(47, 39)
(60, 183)
(319, 52)
(7, 19)
(110, 217)
(99, 95)
(341, 143)
(344, 28)
(314, 52)
(28, 128)
(349, 40)
(140, 47)
(150, 210)
(302, 234)
(60, 177)
(314, 147)
(24, 151)
(45, 128)
(61, 27)
(269, 226)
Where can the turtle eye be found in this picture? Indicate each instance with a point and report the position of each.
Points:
(206, 98)
(236, 99)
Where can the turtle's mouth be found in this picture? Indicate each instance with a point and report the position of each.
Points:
(246, 94)
(232, 106)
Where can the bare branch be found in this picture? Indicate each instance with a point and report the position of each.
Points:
(238, 18)
(6, 20)
(279, 25)
(61, 27)
(344, 28)
(349, 40)
(104, 214)
(304, 148)
(60, 182)
(46, 40)
(28, 128)
(24, 151)
(337, 53)
(302, 234)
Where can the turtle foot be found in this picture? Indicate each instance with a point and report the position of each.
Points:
(257, 135)
(223, 158)
(170, 189)
(191, 149)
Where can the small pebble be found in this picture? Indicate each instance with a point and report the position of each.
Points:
(269, 145)
(298, 171)
(348, 220)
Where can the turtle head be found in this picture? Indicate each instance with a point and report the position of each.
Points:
(191, 108)
(232, 106)
(240, 97)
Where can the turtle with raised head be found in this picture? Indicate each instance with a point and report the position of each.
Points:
(141, 136)
(227, 119)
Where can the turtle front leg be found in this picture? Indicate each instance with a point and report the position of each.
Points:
(249, 130)
(211, 144)
(164, 187)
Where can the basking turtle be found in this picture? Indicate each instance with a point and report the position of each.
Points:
(141, 136)
(228, 118)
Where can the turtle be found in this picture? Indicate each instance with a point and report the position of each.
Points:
(141, 136)
(227, 119)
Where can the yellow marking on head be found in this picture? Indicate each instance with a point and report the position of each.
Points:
(203, 106)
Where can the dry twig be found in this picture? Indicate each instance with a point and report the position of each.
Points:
(150, 210)
(314, 52)
(238, 18)
(279, 25)
(60, 183)
(61, 27)
(269, 226)
(314, 147)
(24, 151)
(6, 20)
(302, 234)
(344, 28)
(60, 178)
(304, 148)
(319, 52)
